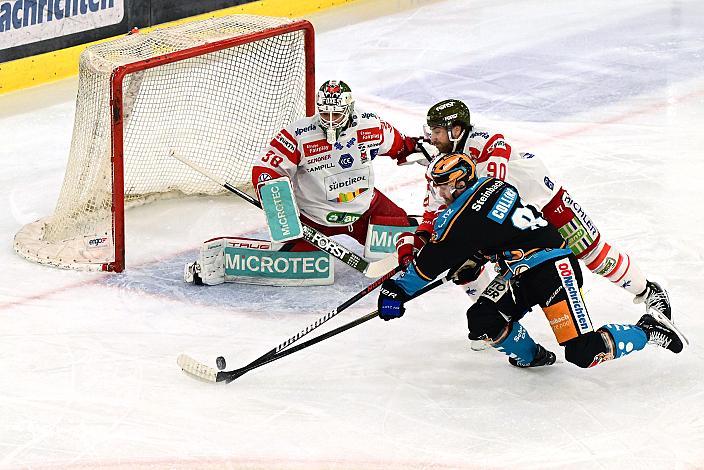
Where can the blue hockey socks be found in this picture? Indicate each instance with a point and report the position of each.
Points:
(627, 338)
(518, 345)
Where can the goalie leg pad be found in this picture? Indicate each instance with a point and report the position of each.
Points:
(255, 262)
(251, 261)
(208, 269)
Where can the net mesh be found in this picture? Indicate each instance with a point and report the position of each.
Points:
(218, 109)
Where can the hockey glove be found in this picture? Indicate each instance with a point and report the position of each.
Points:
(408, 244)
(410, 145)
(468, 272)
(391, 300)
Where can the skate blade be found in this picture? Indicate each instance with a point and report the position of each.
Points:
(670, 324)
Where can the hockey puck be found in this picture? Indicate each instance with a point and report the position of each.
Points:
(220, 362)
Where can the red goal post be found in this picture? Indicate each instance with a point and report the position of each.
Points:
(215, 91)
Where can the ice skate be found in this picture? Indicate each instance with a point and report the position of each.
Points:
(543, 357)
(191, 273)
(661, 334)
(655, 299)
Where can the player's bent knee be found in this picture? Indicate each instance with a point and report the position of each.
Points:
(484, 320)
(586, 350)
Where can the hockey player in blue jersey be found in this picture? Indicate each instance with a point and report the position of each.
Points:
(486, 220)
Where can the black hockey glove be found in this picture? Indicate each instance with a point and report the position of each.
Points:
(469, 271)
(391, 300)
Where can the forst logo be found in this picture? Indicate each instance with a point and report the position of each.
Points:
(346, 160)
(446, 105)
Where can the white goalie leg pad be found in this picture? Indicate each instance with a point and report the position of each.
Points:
(209, 268)
(252, 261)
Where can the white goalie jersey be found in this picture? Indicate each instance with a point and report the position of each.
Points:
(333, 183)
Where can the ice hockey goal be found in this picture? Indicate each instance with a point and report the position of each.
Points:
(214, 91)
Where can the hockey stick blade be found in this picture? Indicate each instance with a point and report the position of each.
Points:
(205, 373)
(196, 369)
(379, 268)
(331, 314)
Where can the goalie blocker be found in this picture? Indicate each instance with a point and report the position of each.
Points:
(251, 261)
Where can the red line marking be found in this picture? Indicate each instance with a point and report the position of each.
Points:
(579, 130)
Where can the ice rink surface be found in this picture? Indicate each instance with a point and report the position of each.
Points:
(609, 94)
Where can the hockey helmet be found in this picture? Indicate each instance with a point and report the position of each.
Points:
(452, 168)
(446, 114)
(335, 108)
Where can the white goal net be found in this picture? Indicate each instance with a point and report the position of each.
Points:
(214, 91)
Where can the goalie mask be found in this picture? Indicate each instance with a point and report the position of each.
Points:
(335, 108)
(446, 114)
(448, 171)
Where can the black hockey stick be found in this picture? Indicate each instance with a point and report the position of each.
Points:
(314, 237)
(425, 152)
(202, 372)
(332, 313)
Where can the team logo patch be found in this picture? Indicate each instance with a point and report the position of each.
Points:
(300, 130)
(347, 186)
(574, 297)
(284, 144)
(346, 160)
(549, 183)
(368, 135)
(316, 147)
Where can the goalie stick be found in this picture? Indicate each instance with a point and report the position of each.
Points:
(206, 373)
(314, 237)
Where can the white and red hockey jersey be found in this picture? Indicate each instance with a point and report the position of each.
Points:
(496, 158)
(333, 183)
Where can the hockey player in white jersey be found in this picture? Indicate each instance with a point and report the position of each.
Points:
(449, 128)
(328, 158)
